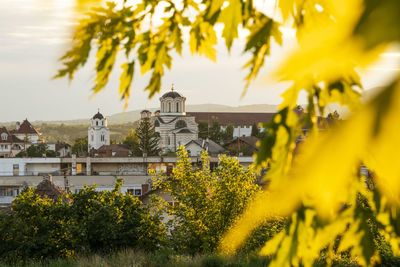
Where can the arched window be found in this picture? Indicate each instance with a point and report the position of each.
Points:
(97, 123)
(156, 123)
(180, 124)
(177, 106)
(168, 141)
(169, 107)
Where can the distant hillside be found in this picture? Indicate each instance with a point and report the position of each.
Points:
(121, 123)
(68, 133)
(134, 115)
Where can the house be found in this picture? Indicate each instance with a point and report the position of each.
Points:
(26, 132)
(10, 145)
(242, 146)
(195, 147)
(114, 150)
(241, 121)
(63, 150)
(47, 189)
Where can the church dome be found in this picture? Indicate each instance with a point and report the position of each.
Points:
(172, 94)
(98, 115)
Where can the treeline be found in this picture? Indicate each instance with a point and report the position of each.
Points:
(69, 133)
(204, 205)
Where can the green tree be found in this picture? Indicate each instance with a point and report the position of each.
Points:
(216, 133)
(40, 228)
(203, 129)
(227, 134)
(37, 151)
(132, 141)
(80, 146)
(209, 202)
(254, 130)
(147, 138)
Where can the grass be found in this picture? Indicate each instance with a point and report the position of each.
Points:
(167, 258)
(158, 259)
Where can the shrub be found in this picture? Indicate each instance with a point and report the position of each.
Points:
(40, 228)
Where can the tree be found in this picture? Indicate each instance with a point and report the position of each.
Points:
(254, 130)
(216, 132)
(37, 151)
(209, 202)
(316, 185)
(80, 146)
(41, 228)
(148, 139)
(227, 134)
(203, 129)
(132, 141)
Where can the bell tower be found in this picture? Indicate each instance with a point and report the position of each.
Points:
(98, 132)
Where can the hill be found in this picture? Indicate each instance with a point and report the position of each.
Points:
(121, 123)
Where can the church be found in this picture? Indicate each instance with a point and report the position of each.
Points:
(98, 132)
(171, 123)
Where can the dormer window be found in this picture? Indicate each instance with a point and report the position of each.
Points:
(4, 136)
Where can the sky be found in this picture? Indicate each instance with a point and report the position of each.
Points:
(35, 33)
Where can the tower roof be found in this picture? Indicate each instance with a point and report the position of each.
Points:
(172, 93)
(98, 115)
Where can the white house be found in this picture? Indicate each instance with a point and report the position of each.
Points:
(26, 132)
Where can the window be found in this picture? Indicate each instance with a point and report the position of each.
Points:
(169, 107)
(177, 107)
(15, 169)
(92, 137)
(6, 192)
(168, 140)
(156, 123)
(134, 192)
(4, 136)
(138, 192)
(97, 123)
(102, 123)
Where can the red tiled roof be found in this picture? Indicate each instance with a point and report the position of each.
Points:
(250, 140)
(10, 138)
(234, 118)
(25, 128)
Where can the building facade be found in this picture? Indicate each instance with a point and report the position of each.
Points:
(98, 132)
(173, 126)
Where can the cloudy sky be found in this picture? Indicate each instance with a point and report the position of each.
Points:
(34, 33)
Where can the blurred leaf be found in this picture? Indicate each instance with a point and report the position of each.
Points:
(231, 16)
(379, 22)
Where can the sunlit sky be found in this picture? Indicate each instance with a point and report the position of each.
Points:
(35, 33)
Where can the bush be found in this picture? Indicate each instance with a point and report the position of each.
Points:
(40, 228)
